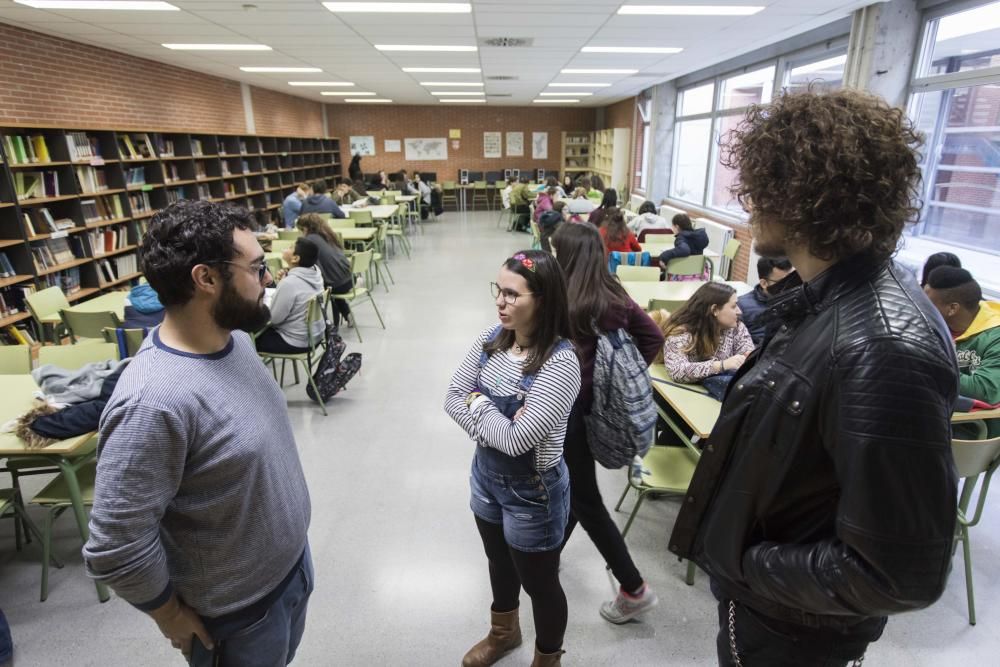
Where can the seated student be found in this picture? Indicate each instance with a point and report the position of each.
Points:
(344, 194)
(660, 317)
(936, 260)
(567, 185)
(406, 185)
(753, 304)
(648, 218)
(579, 204)
(424, 191)
(616, 235)
(687, 240)
(544, 202)
(381, 181)
(549, 222)
(520, 197)
(705, 337)
(609, 200)
(320, 202)
(291, 208)
(361, 190)
(597, 188)
(975, 328)
(287, 333)
(332, 262)
(551, 182)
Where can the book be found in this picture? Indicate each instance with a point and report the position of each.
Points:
(6, 268)
(91, 180)
(135, 176)
(40, 148)
(17, 335)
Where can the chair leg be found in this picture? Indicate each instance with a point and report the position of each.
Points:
(969, 592)
(376, 310)
(46, 553)
(295, 371)
(689, 579)
(622, 499)
(388, 273)
(312, 383)
(635, 510)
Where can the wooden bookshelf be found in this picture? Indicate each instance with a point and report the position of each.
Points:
(604, 152)
(88, 167)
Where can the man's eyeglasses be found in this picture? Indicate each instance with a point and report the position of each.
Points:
(259, 267)
(510, 296)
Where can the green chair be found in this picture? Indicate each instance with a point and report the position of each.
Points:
(666, 470)
(325, 216)
(44, 307)
(74, 357)
(694, 265)
(360, 217)
(133, 338)
(536, 236)
(388, 199)
(87, 325)
(281, 245)
(627, 273)
(974, 459)
(479, 194)
(379, 259)
(274, 264)
(664, 304)
(288, 234)
(12, 507)
(15, 359)
(343, 223)
(313, 314)
(729, 252)
(56, 499)
(394, 230)
(360, 266)
(449, 193)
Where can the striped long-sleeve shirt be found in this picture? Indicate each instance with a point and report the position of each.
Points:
(542, 425)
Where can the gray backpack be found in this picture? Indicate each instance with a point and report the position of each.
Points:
(622, 419)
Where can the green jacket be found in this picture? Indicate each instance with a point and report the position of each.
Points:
(978, 350)
(520, 195)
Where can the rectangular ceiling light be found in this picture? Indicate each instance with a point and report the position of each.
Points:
(218, 47)
(631, 49)
(689, 10)
(579, 85)
(288, 70)
(400, 7)
(342, 93)
(457, 92)
(423, 47)
(444, 70)
(598, 71)
(464, 101)
(564, 94)
(320, 83)
(131, 5)
(371, 100)
(467, 84)
(554, 101)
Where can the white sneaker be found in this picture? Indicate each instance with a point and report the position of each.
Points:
(626, 607)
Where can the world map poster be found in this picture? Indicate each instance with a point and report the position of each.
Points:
(426, 149)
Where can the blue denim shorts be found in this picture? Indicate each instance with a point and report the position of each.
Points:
(533, 508)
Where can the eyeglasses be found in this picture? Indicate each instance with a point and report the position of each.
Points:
(259, 267)
(510, 296)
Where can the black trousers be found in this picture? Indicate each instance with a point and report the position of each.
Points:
(271, 341)
(340, 307)
(587, 506)
(765, 642)
(537, 573)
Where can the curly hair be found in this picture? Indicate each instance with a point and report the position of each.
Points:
(183, 235)
(839, 171)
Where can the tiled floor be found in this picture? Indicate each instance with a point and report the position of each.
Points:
(401, 578)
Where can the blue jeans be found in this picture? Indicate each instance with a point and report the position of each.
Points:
(255, 640)
(6, 643)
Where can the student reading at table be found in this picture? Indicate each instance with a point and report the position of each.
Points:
(332, 261)
(345, 194)
(705, 336)
(609, 200)
(286, 333)
(320, 202)
(544, 202)
(579, 204)
(424, 192)
(597, 189)
(936, 260)
(648, 218)
(520, 196)
(291, 208)
(687, 240)
(614, 233)
(568, 185)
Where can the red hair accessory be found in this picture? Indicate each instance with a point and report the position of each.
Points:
(525, 261)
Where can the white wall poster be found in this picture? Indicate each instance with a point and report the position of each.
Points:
(515, 144)
(362, 146)
(393, 146)
(540, 145)
(492, 144)
(426, 149)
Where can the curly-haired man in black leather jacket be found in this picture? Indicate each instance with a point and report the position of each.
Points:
(825, 498)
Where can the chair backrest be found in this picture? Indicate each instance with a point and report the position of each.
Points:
(668, 305)
(281, 245)
(361, 261)
(479, 185)
(732, 249)
(274, 264)
(403, 210)
(132, 338)
(654, 232)
(343, 223)
(46, 303)
(974, 457)
(360, 216)
(448, 185)
(313, 314)
(289, 234)
(393, 193)
(15, 359)
(388, 199)
(88, 325)
(693, 265)
(627, 273)
(73, 357)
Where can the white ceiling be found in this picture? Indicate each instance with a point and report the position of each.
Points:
(303, 33)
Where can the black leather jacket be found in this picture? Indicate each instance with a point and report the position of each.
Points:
(826, 494)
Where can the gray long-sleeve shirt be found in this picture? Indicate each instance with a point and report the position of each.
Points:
(200, 490)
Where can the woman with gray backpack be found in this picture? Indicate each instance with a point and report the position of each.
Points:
(613, 417)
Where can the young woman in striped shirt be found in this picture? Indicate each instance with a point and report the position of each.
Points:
(512, 394)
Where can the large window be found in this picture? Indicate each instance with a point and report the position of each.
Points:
(643, 114)
(707, 111)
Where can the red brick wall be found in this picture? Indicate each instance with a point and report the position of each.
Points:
(741, 265)
(621, 114)
(276, 113)
(399, 122)
(46, 80)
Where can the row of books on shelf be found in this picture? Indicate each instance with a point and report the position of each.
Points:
(32, 184)
(83, 147)
(41, 221)
(68, 280)
(170, 172)
(52, 253)
(135, 176)
(26, 149)
(140, 202)
(102, 209)
(91, 180)
(6, 268)
(113, 268)
(16, 335)
(135, 146)
(12, 299)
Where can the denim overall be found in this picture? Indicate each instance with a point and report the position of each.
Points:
(532, 505)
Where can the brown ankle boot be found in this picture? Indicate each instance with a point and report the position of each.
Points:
(504, 636)
(547, 659)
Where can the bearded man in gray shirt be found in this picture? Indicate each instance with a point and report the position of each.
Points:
(201, 507)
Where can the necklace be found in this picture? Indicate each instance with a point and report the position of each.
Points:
(517, 349)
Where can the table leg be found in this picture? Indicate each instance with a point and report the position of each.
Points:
(688, 442)
(68, 469)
